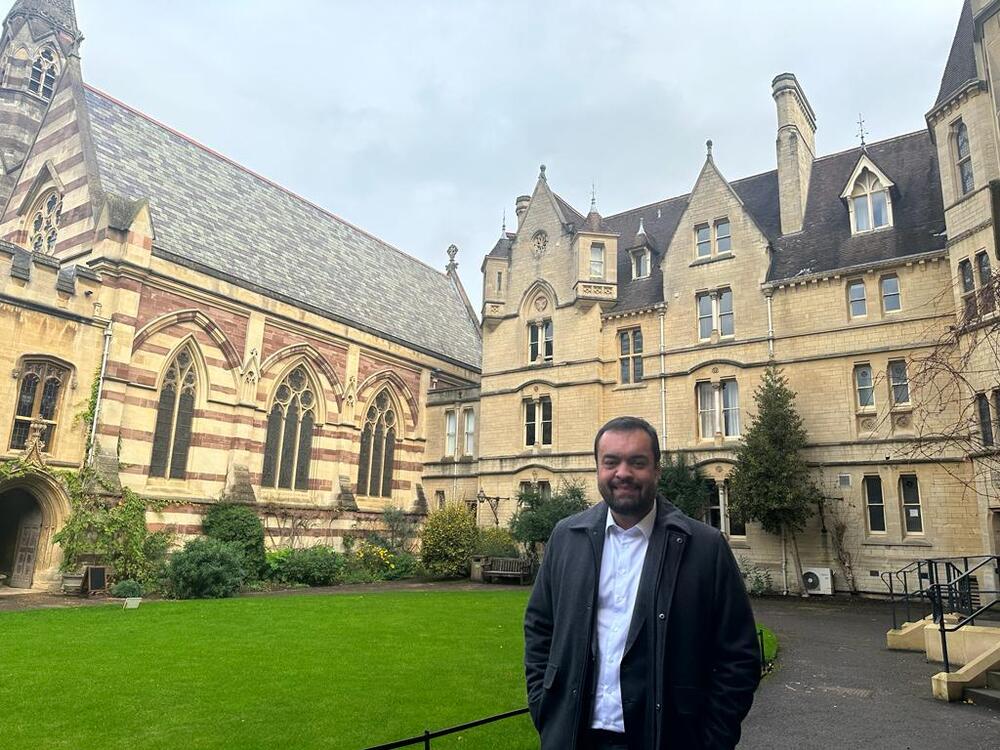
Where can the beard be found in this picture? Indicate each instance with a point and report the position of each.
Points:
(627, 498)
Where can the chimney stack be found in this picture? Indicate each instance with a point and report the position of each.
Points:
(796, 147)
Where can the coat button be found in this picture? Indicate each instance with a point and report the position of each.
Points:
(574, 692)
(680, 540)
(657, 706)
(662, 616)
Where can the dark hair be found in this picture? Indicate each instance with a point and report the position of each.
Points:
(631, 424)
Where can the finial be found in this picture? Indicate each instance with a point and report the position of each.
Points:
(862, 132)
(503, 224)
(593, 196)
(541, 171)
(642, 229)
(452, 252)
(708, 148)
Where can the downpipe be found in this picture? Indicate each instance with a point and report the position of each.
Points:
(100, 391)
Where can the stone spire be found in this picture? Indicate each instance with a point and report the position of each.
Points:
(59, 13)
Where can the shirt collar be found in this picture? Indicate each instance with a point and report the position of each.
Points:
(645, 525)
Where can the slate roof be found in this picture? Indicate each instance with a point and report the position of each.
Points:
(826, 243)
(218, 216)
(961, 65)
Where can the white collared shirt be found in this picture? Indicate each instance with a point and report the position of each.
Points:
(621, 567)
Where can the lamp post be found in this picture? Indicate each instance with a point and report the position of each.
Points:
(493, 501)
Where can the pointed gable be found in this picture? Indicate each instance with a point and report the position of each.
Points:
(865, 162)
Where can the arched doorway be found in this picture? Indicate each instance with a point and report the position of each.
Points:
(20, 532)
(32, 508)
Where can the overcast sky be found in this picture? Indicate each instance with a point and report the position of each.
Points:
(422, 121)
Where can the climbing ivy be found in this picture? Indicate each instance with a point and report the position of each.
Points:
(102, 524)
(115, 531)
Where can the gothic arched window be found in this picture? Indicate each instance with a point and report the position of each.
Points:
(37, 401)
(43, 74)
(43, 223)
(870, 203)
(288, 448)
(174, 413)
(378, 448)
(963, 158)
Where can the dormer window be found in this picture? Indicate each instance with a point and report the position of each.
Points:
(870, 203)
(43, 223)
(963, 159)
(43, 74)
(597, 261)
(640, 264)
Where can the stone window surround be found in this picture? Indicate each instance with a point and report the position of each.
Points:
(717, 245)
(715, 409)
(716, 296)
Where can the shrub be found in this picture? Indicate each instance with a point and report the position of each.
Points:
(312, 566)
(241, 527)
(125, 589)
(206, 569)
(496, 542)
(755, 578)
(537, 516)
(449, 539)
(374, 560)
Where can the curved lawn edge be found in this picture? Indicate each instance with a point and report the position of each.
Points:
(770, 646)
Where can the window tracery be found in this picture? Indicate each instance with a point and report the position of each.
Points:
(43, 223)
(43, 74)
(174, 414)
(37, 401)
(288, 446)
(378, 447)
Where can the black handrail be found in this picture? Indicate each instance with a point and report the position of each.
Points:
(955, 589)
(427, 736)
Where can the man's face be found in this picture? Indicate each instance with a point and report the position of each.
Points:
(626, 473)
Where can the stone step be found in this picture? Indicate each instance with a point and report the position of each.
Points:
(983, 697)
(993, 680)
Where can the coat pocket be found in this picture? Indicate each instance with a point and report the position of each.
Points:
(688, 700)
(550, 676)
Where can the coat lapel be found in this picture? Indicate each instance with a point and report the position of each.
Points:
(592, 522)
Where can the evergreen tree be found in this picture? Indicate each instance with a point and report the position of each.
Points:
(771, 482)
(684, 486)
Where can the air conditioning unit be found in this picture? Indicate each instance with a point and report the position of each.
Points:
(818, 580)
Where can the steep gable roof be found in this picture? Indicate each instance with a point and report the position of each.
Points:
(961, 66)
(215, 215)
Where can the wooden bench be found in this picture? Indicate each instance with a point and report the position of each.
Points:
(507, 567)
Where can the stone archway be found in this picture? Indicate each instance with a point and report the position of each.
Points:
(32, 509)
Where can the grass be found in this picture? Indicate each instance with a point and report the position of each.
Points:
(344, 671)
(298, 671)
(770, 644)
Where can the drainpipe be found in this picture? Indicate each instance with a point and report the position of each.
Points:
(100, 390)
(663, 383)
(770, 325)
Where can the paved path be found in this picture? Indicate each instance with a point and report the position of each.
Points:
(837, 686)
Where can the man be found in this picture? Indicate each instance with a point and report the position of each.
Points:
(639, 632)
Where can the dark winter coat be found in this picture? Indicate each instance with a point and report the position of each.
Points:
(692, 660)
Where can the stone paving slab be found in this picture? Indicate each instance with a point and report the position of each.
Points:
(837, 686)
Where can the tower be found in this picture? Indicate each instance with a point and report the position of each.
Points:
(39, 39)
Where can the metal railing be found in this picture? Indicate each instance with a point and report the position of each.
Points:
(428, 735)
(952, 587)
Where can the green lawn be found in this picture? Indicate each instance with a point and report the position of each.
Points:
(344, 671)
(770, 644)
(302, 671)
